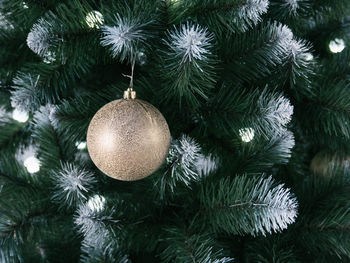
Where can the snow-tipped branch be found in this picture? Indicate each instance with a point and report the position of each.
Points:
(125, 36)
(72, 185)
(189, 64)
(247, 205)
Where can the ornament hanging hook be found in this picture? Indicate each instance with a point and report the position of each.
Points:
(130, 93)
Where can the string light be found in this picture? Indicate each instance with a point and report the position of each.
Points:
(32, 164)
(247, 134)
(308, 56)
(337, 45)
(80, 145)
(20, 116)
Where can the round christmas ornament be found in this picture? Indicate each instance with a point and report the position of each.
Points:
(324, 161)
(128, 139)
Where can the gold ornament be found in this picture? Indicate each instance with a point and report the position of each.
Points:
(324, 161)
(128, 139)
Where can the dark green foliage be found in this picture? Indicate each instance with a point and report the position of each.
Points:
(251, 92)
(182, 246)
(237, 15)
(274, 250)
(48, 139)
(8, 129)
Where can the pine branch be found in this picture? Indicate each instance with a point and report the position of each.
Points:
(96, 221)
(336, 67)
(103, 228)
(303, 16)
(238, 15)
(247, 205)
(255, 54)
(188, 65)
(184, 247)
(73, 117)
(72, 185)
(234, 108)
(39, 84)
(328, 111)
(26, 93)
(257, 156)
(51, 148)
(125, 37)
(98, 255)
(9, 128)
(14, 177)
(181, 165)
(41, 39)
(273, 249)
(299, 67)
(129, 28)
(21, 217)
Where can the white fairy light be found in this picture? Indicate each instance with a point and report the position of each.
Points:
(94, 19)
(25, 6)
(20, 116)
(337, 45)
(308, 56)
(32, 164)
(80, 145)
(247, 134)
(96, 203)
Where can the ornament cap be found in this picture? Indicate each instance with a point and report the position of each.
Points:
(129, 94)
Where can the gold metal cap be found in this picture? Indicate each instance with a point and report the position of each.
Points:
(129, 94)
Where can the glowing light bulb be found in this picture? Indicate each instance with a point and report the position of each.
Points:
(25, 6)
(247, 134)
(337, 45)
(308, 56)
(97, 203)
(94, 19)
(32, 164)
(20, 116)
(80, 145)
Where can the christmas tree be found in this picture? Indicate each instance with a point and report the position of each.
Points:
(256, 94)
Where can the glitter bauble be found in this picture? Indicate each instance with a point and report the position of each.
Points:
(128, 139)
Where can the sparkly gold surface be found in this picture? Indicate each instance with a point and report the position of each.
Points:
(128, 139)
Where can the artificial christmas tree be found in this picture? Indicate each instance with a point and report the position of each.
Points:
(252, 91)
